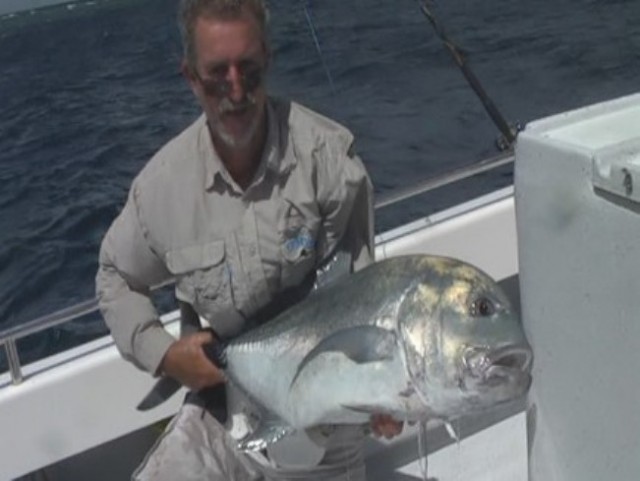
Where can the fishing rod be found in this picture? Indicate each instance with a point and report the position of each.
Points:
(509, 133)
(316, 41)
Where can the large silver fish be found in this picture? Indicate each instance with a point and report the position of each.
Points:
(414, 336)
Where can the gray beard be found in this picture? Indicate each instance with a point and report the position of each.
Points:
(227, 106)
(238, 142)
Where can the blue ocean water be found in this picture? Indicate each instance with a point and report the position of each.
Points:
(89, 92)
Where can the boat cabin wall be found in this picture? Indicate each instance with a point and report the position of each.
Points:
(578, 227)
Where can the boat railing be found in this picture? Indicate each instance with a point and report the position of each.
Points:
(450, 177)
(10, 336)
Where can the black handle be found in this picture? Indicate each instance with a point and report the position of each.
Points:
(215, 352)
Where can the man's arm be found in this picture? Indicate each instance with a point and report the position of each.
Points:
(127, 269)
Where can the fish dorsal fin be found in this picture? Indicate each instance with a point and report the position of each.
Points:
(336, 267)
(361, 344)
(162, 390)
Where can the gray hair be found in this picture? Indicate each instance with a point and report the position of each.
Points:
(191, 10)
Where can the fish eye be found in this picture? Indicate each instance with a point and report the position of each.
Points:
(482, 307)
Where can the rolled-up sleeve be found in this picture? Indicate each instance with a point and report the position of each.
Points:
(346, 194)
(128, 267)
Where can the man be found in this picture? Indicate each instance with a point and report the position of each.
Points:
(241, 206)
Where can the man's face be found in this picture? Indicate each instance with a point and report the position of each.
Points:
(229, 77)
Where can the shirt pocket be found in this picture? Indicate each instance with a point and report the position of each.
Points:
(202, 277)
(298, 232)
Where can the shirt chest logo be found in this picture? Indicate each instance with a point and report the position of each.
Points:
(298, 243)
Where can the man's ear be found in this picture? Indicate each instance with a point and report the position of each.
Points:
(189, 75)
(267, 54)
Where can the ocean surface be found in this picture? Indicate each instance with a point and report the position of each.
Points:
(89, 92)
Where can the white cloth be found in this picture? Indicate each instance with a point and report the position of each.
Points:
(195, 447)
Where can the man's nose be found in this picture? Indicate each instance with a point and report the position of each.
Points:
(236, 87)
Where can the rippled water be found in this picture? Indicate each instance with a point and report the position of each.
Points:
(88, 94)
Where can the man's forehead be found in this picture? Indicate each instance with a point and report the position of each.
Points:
(228, 38)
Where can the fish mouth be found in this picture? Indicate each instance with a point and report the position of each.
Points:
(517, 357)
(498, 366)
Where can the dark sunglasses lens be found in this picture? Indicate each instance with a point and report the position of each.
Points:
(252, 79)
(217, 88)
(220, 87)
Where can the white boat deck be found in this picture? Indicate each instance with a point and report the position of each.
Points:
(493, 454)
(490, 451)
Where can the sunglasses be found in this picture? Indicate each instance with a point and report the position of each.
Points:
(216, 84)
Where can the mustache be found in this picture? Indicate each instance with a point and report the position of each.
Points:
(227, 105)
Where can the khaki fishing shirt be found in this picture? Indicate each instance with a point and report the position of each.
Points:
(230, 251)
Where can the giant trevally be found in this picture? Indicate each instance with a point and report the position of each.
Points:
(416, 336)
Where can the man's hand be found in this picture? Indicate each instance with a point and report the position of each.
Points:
(385, 425)
(186, 362)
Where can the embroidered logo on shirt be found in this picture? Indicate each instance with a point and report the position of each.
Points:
(299, 244)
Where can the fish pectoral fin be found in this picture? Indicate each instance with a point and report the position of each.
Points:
(372, 409)
(361, 344)
(361, 409)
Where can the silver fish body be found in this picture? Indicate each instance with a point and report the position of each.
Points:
(414, 336)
